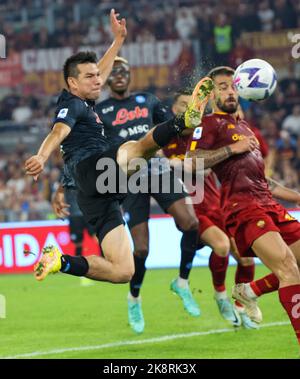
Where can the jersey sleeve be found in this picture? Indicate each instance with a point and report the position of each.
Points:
(203, 137)
(161, 112)
(69, 113)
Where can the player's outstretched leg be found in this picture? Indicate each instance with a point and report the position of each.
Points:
(116, 267)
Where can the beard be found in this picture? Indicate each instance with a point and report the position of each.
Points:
(228, 108)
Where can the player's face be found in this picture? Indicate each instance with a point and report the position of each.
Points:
(225, 94)
(88, 83)
(119, 77)
(180, 106)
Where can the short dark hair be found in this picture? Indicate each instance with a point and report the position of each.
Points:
(70, 66)
(220, 70)
(182, 92)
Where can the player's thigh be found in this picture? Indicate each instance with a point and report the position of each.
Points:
(295, 247)
(274, 253)
(136, 208)
(129, 155)
(116, 246)
(216, 239)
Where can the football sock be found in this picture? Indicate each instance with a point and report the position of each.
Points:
(290, 300)
(78, 251)
(77, 266)
(218, 266)
(188, 247)
(221, 295)
(138, 277)
(268, 283)
(182, 283)
(244, 274)
(164, 132)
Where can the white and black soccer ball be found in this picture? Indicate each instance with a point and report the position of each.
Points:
(255, 80)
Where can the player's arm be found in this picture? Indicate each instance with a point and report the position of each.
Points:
(35, 164)
(58, 203)
(214, 157)
(283, 193)
(119, 30)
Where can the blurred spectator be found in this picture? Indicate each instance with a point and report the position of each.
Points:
(286, 146)
(239, 54)
(292, 122)
(222, 32)
(185, 23)
(266, 15)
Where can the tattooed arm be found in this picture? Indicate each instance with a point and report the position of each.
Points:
(281, 192)
(213, 157)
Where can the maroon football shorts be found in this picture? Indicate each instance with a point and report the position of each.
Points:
(248, 224)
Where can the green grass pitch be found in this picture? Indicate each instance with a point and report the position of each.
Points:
(58, 318)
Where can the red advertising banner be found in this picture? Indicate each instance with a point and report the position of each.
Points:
(11, 71)
(34, 236)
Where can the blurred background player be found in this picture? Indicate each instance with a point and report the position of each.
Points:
(129, 116)
(259, 225)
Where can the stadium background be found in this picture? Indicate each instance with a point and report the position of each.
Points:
(169, 45)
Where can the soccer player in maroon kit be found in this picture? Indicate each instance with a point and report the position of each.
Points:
(259, 225)
(212, 231)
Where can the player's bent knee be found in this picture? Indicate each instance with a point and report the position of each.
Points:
(188, 225)
(221, 247)
(141, 253)
(124, 275)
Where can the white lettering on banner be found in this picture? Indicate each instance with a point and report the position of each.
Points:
(51, 240)
(7, 251)
(148, 53)
(138, 54)
(17, 245)
(45, 59)
(21, 240)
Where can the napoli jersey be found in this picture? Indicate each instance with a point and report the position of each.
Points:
(242, 175)
(131, 118)
(87, 132)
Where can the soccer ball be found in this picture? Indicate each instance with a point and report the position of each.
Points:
(255, 80)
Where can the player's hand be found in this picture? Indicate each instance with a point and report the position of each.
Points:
(34, 166)
(59, 205)
(245, 145)
(118, 27)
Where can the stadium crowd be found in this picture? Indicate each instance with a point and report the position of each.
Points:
(43, 23)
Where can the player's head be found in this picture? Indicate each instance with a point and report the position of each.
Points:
(224, 94)
(181, 100)
(119, 77)
(82, 75)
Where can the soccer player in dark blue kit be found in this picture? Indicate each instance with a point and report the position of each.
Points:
(129, 116)
(80, 133)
